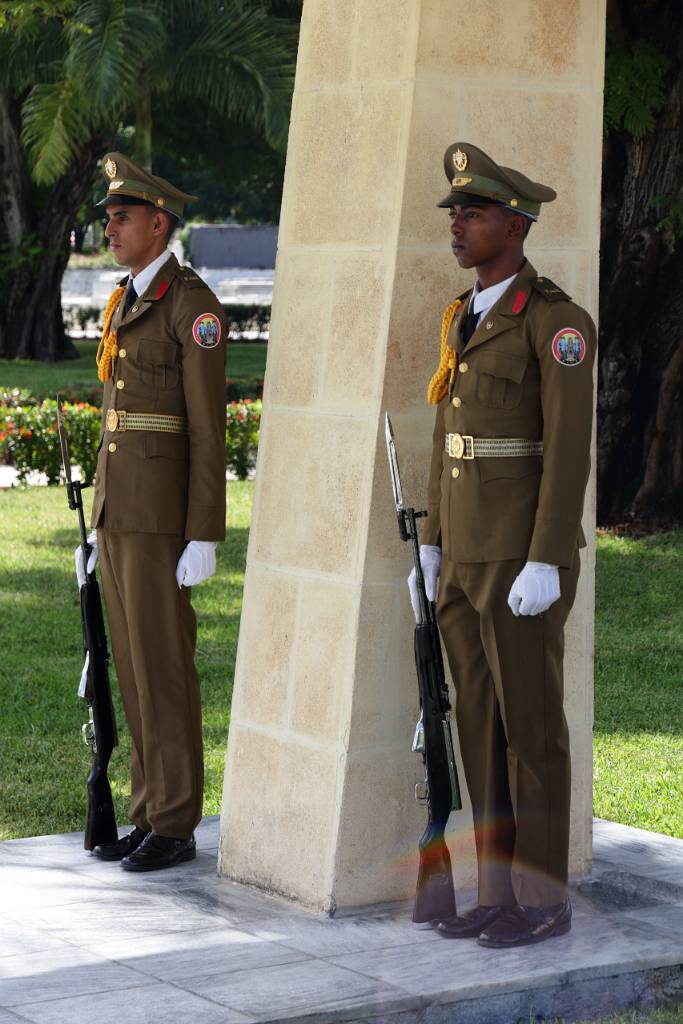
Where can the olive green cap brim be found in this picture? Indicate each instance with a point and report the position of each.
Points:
(141, 191)
(471, 187)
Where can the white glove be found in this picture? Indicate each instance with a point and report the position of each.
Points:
(197, 563)
(430, 560)
(535, 589)
(92, 559)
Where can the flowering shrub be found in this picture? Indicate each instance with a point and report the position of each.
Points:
(29, 439)
(237, 391)
(242, 436)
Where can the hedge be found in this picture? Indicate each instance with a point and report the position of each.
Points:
(29, 440)
(252, 319)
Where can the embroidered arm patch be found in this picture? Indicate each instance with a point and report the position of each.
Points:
(206, 330)
(569, 347)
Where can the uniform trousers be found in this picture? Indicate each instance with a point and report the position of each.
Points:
(513, 734)
(153, 633)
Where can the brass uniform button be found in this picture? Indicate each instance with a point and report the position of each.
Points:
(455, 472)
(464, 367)
(120, 384)
(112, 446)
(122, 353)
(457, 402)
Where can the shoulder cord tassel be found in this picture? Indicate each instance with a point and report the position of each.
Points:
(438, 385)
(108, 348)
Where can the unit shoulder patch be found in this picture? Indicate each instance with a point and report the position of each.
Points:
(206, 330)
(549, 290)
(569, 347)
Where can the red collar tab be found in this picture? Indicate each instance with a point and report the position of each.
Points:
(520, 299)
(162, 289)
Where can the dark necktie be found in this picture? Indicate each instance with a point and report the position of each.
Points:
(470, 325)
(129, 297)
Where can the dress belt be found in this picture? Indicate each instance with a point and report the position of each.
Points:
(120, 419)
(464, 446)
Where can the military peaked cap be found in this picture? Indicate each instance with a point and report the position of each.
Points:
(475, 179)
(129, 183)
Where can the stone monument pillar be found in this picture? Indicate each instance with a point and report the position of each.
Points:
(318, 799)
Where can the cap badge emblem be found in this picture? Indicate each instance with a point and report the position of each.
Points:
(459, 182)
(115, 184)
(459, 160)
(513, 202)
(110, 168)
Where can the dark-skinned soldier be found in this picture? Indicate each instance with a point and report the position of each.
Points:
(159, 504)
(510, 462)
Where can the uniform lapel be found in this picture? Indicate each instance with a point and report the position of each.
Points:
(505, 313)
(156, 290)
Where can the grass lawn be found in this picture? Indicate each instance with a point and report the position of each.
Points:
(638, 730)
(639, 654)
(245, 363)
(43, 761)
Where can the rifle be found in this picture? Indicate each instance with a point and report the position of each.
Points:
(435, 895)
(99, 732)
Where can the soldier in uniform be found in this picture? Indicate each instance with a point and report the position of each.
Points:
(159, 504)
(510, 462)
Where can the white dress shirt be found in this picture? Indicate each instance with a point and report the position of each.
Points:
(482, 299)
(144, 279)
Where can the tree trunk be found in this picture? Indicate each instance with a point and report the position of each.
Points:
(640, 443)
(34, 238)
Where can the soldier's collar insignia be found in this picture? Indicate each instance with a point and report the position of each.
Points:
(115, 184)
(459, 182)
(110, 168)
(459, 160)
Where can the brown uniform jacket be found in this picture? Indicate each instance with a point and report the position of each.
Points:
(153, 482)
(523, 374)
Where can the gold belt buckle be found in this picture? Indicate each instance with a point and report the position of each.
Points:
(458, 446)
(116, 420)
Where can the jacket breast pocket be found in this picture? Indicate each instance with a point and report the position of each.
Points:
(500, 379)
(159, 364)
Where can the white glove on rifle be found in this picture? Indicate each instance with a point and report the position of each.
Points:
(535, 589)
(92, 558)
(430, 560)
(197, 563)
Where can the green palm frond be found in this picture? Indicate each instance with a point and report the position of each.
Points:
(240, 63)
(88, 71)
(113, 42)
(31, 50)
(55, 123)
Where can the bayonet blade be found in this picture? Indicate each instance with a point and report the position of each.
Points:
(393, 463)
(63, 441)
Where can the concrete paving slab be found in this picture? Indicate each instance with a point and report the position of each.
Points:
(147, 1004)
(32, 977)
(186, 944)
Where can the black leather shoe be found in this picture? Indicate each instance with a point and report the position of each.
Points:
(156, 852)
(467, 925)
(121, 848)
(523, 926)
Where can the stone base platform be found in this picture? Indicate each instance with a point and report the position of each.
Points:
(83, 941)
